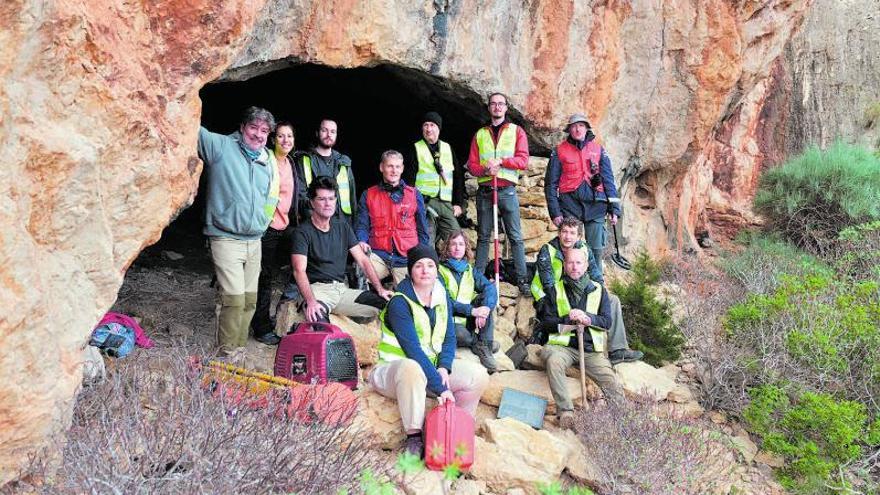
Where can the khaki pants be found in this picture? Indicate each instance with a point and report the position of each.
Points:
(445, 223)
(617, 333)
(384, 269)
(237, 265)
(404, 381)
(340, 300)
(558, 358)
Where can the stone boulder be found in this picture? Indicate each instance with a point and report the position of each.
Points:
(514, 455)
(504, 362)
(366, 337)
(380, 416)
(643, 379)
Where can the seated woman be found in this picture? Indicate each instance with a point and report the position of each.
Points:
(473, 298)
(417, 349)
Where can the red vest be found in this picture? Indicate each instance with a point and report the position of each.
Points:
(390, 221)
(576, 165)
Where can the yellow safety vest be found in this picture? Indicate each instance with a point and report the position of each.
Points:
(274, 189)
(505, 148)
(430, 339)
(343, 188)
(464, 292)
(536, 287)
(563, 308)
(427, 178)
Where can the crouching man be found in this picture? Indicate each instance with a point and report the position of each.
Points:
(417, 350)
(575, 300)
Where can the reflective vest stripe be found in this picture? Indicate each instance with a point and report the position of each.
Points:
(563, 308)
(342, 187)
(430, 339)
(427, 178)
(505, 148)
(464, 292)
(537, 288)
(274, 189)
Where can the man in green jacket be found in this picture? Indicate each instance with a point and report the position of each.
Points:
(242, 192)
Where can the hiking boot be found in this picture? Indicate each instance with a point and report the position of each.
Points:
(268, 338)
(625, 356)
(482, 351)
(566, 420)
(496, 346)
(525, 289)
(414, 445)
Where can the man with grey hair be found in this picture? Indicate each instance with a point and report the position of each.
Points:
(579, 183)
(391, 220)
(242, 193)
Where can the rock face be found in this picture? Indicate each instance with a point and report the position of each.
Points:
(101, 109)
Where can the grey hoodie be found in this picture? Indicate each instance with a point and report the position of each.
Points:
(238, 187)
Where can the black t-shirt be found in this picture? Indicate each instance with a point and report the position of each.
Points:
(327, 252)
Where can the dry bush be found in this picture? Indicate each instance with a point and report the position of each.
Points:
(639, 451)
(707, 293)
(151, 428)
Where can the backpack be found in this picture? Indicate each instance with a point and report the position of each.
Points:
(114, 339)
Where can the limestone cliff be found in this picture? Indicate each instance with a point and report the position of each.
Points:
(100, 111)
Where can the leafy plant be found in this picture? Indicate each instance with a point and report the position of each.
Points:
(814, 432)
(649, 323)
(812, 197)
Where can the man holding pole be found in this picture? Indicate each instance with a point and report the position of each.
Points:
(576, 301)
(579, 183)
(498, 153)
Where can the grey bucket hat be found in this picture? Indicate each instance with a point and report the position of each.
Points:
(575, 118)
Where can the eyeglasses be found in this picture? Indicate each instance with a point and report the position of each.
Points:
(497, 104)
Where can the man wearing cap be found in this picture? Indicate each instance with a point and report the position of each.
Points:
(579, 183)
(433, 172)
(391, 219)
(417, 349)
(501, 150)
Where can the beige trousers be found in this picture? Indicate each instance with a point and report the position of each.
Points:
(404, 381)
(339, 299)
(383, 269)
(237, 265)
(558, 358)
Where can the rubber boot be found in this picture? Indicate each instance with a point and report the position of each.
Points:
(247, 313)
(229, 321)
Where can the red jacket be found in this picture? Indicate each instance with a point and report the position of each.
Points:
(393, 222)
(519, 161)
(576, 165)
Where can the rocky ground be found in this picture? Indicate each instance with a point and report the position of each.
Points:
(168, 290)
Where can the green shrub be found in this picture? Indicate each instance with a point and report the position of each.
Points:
(812, 197)
(649, 324)
(814, 432)
(858, 252)
(816, 332)
(765, 259)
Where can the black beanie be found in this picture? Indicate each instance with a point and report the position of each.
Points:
(418, 252)
(433, 117)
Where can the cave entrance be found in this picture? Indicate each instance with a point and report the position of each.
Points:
(376, 109)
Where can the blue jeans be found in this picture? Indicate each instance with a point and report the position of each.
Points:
(508, 210)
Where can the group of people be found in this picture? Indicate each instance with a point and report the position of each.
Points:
(259, 196)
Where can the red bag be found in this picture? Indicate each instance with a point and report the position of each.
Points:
(449, 438)
(317, 353)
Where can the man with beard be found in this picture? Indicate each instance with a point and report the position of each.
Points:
(575, 300)
(324, 160)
